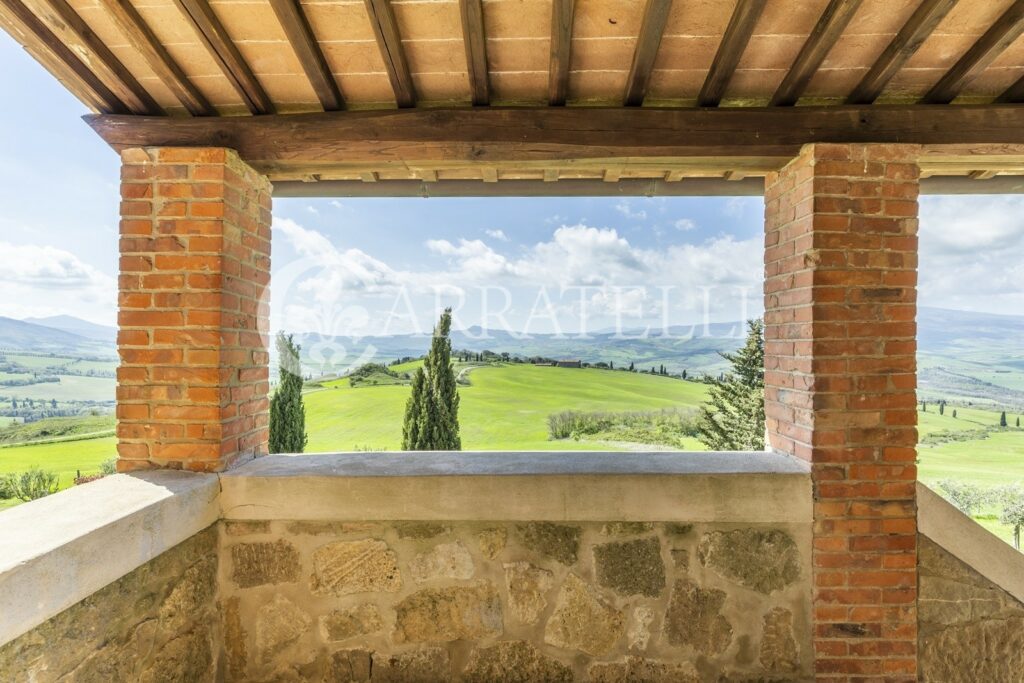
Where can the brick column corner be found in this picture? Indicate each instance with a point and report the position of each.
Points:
(840, 382)
(193, 313)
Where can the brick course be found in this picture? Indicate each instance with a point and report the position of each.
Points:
(840, 380)
(193, 310)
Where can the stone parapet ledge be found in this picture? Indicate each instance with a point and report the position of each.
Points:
(971, 543)
(529, 486)
(58, 550)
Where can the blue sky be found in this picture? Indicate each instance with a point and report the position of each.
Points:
(370, 265)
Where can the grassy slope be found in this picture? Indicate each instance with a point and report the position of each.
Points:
(62, 458)
(505, 408)
(56, 427)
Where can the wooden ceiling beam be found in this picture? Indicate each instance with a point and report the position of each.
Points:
(141, 37)
(307, 49)
(997, 38)
(496, 135)
(903, 46)
(475, 40)
(734, 43)
(820, 42)
(72, 31)
(222, 49)
(41, 41)
(561, 51)
(647, 43)
(1013, 94)
(389, 40)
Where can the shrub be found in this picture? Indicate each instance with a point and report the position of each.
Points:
(30, 485)
(109, 466)
(967, 497)
(666, 427)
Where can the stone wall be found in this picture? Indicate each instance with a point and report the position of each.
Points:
(156, 624)
(539, 601)
(970, 629)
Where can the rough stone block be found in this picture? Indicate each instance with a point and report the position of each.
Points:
(257, 564)
(583, 620)
(492, 541)
(515, 661)
(694, 618)
(279, 623)
(445, 561)
(637, 669)
(446, 614)
(423, 665)
(349, 622)
(556, 541)
(631, 567)
(763, 560)
(347, 567)
(527, 586)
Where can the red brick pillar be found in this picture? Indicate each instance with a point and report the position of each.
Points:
(193, 317)
(840, 378)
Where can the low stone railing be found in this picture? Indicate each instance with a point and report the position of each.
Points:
(427, 566)
(465, 566)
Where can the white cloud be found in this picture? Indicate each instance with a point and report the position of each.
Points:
(971, 250)
(497, 234)
(685, 225)
(625, 208)
(34, 278)
(312, 209)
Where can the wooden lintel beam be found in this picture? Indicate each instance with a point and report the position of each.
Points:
(734, 42)
(990, 45)
(496, 136)
(550, 175)
(73, 32)
(389, 40)
(823, 37)
(428, 175)
(222, 49)
(489, 174)
(982, 175)
(629, 187)
(561, 51)
(47, 45)
(141, 37)
(475, 40)
(647, 43)
(903, 46)
(307, 50)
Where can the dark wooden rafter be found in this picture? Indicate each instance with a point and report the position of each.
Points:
(389, 40)
(307, 50)
(1013, 94)
(48, 46)
(561, 51)
(71, 29)
(647, 43)
(476, 50)
(734, 42)
(223, 51)
(141, 37)
(913, 34)
(997, 38)
(830, 27)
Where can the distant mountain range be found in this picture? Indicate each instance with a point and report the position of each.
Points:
(972, 355)
(64, 334)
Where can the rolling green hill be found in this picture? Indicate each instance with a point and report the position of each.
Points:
(505, 407)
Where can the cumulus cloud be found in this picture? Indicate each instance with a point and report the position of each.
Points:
(971, 250)
(626, 209)
(685, 225)
(497, 234)
(42, 280)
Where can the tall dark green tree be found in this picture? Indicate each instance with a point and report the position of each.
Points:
(287, 411)
(1002, 419)
(732, 419)
(432, 412)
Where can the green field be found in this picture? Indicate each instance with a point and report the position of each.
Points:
(64, 458)
(504, 407)
(70, 386)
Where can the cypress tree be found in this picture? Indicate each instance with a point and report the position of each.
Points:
(1018, 420)
(954, 413)
(942, 408)
(733, 418)
(1002, 419)
(432, 412)
(287, 411)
